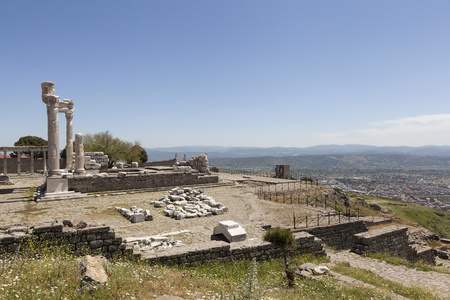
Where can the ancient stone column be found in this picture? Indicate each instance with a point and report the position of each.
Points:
(184, 157)
(52, 102)
(45, 162)
(18, 163)
(69, 139)
(79, 155)
(32, 163)
(5, 163)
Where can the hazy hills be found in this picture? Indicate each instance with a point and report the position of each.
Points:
(156, 154)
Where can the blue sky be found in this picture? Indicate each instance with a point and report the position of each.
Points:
(231, 73)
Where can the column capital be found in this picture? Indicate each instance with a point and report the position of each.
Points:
(69, 114)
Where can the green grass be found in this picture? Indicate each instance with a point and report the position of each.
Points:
(377, 281)
(394, 260)
(55, 275)
(437, 221)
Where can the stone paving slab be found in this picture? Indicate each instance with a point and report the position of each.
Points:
(437, 283)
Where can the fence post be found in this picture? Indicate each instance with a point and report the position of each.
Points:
(318, 220)
(294, 219)
(276, 196)
(339, 214)
(328, 218)
(306, 221)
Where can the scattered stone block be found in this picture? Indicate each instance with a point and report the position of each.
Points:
(231, 230)
(137, 217)
(4, 179)
(92, 272)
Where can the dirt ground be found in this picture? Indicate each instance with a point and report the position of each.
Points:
(244, 208)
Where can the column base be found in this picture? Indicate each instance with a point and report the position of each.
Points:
(57, 185)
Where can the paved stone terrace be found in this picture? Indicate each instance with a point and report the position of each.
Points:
(438, 283)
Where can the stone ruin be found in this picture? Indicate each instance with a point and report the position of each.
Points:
(95, 161)
(151, 243)
(4, 179)
(231, 230)
(189, 203)
(199, 163)
(135, 215)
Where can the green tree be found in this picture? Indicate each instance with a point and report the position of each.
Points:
(284, 239)
(115, 148)
(136, 153)
(30, 140)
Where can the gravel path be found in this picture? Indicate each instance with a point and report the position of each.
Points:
(438, 283)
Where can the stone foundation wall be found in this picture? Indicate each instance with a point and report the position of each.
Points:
(101, 240)
(392, 240)
(222, 251)
(91, 184)
(90, 240)
(338, 235)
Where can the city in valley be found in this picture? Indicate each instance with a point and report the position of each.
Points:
(430, 190)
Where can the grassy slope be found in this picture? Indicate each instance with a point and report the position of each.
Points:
(434, 220)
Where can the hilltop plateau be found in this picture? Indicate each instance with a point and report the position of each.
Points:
(239, 194)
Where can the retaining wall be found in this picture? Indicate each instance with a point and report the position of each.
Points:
(90, 240)
(337, 235)
(222, 251)
(102, 240)
(96, 184)
(392, 240)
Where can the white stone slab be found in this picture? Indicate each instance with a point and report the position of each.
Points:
(231, 230)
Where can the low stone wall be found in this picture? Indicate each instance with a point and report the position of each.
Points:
(101, 240)
(90, 240)
(163, 163)
(392, 240)
(96, 184)
(337, 235)
(222, 251)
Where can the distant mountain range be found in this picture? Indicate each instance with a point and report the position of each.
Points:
(157, 154)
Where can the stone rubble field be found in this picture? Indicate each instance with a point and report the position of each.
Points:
(189, 203)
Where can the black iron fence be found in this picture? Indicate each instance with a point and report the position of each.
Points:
(296, 192)
(325, 219)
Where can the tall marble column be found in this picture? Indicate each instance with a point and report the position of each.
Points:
(45, 162)
(52, 102)
(69, 139)
(79, 155)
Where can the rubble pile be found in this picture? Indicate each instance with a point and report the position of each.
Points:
(135, 215)
(421, 236)
(152, 243)
(189, 203)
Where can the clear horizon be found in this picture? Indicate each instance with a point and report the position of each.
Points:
(251, 73)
